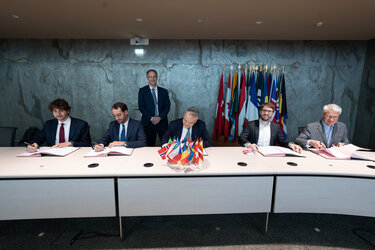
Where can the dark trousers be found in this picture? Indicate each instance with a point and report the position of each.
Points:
(151, 130)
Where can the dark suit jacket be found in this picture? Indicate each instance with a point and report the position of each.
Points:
(315, 131)
(135, 135)
(147, 107)
(198, 131)
(251, 134)
(79, 133)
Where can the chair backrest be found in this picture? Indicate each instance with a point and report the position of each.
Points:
(300, 129)
(7, 135)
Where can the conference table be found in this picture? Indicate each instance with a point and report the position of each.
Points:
(144, 185)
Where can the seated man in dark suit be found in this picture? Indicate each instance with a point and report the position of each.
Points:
(327, 132)
(188, 127)
(263, 132)
(123, 131)
(63, 131)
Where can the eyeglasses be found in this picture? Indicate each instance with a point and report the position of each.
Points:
(266, 110)
(329, 117)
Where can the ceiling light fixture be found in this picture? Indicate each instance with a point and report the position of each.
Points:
(259, 22)
(199, 21)
(139, 52)
(15, 16)
(138, 19)
(319, 24)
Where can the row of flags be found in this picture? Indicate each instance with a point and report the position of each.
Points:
(185, 152)
(245, 91)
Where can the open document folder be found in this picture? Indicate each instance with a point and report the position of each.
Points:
(49, 151)
(110, 151)
(346, 152)
(276, 151)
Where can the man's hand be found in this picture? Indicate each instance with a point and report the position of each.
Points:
(317, 144)
(155, 120)
(295, 147)
(340, 144)
(98, 147)
(62, 145)
(32, 148)
(252, 146)
(116, 143)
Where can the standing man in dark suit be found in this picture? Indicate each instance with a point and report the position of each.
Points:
(124, 131)
(154, 104)
(263, 132)
(188, 127)
(327, 132)
(63, 131)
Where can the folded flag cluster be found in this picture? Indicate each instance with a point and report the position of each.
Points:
(185, 152)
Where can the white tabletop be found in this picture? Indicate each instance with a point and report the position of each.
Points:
(221, 161)
(314, 164)
(72, 165)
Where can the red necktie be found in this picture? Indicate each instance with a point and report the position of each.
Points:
(62, 134)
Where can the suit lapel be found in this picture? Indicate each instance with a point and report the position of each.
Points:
(117, 129)
(72, 129)
(54, 131)
(129, 130)
(256, 131)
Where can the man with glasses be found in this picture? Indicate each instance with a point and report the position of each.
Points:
(263, 132)
(123, 131)
(327, 132)
(188, 127)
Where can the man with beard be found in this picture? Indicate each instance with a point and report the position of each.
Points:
(263, 132)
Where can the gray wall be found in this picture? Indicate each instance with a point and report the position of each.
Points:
(364, 134)
(93, 74)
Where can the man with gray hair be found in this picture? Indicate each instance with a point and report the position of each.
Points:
(327, 132)
(188, 127)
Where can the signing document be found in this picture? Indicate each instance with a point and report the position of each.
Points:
(121, 150)
(276, 151)
(49, 151)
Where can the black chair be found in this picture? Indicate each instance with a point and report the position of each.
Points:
(300, 129)
(7, 135)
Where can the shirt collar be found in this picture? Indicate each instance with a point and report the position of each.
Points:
(66, 122)
(151, 88)
(261, 123)
(325, 125)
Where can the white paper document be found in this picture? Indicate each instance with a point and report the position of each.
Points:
(110, 151)
(49, 151)
(345, 152)
(276, 151)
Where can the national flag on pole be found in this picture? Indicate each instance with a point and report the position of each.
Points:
(200, 149)
(196, 153)
(274, 98)
(234, 108)
(283, 109)
(260, 85)
(252, 104)
(219, 118)
(227, 108)
(242, 106)
(265, 91)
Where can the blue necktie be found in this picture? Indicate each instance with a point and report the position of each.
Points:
(122, 133)
(155, 102)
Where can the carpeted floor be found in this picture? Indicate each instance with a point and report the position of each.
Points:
(239, 231)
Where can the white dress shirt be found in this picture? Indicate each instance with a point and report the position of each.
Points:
(66, 130)
(184, 132)
(264, 134)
